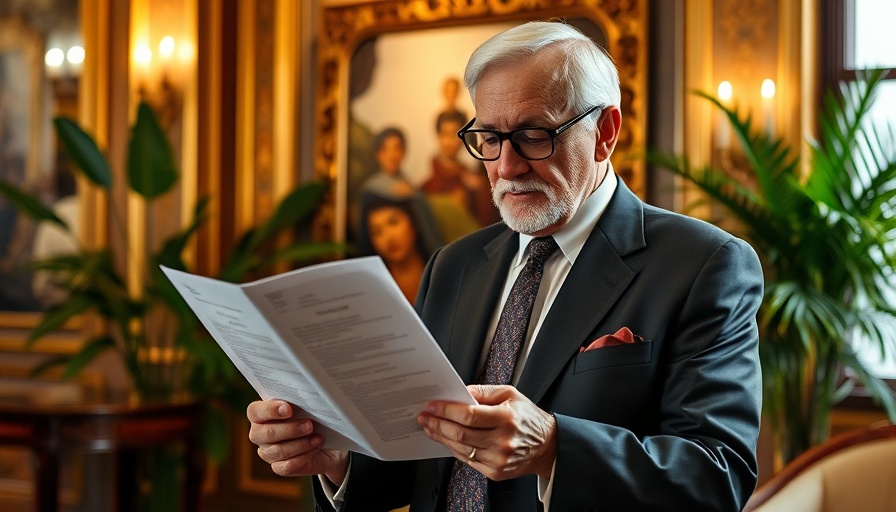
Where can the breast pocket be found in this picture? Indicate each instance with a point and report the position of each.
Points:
(619, 355)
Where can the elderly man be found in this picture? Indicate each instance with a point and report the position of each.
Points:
(611, 345)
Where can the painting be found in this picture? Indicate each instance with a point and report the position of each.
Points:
(411, 186)
(390, 98)
(31, 160)
(20, 139)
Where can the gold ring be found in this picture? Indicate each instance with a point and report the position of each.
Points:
(472, 455)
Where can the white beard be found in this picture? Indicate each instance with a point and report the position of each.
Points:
(536, 218)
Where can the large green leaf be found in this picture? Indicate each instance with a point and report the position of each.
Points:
(85, 356)
(76, 362)
(297, 206)
(297, 253)
(49, 363)
(29, 204)
(151, 167)
(82, 149)
(170, 254)
(57, 316)
(249, 253)
(304, 253)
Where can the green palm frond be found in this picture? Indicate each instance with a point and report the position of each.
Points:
(769, 159)
(882, 393)
(838, 165)
(826, 241)
(741, 202)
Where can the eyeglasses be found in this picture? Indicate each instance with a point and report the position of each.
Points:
(529, 143)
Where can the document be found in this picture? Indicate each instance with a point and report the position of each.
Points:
(338, 340)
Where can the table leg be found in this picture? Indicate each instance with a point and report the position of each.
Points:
(126, 487)
(195, 474)
(46, 485)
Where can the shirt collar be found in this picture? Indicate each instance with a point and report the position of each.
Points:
(571, 237)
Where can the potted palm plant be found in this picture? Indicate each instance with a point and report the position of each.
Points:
(167, 353)
(825, 237)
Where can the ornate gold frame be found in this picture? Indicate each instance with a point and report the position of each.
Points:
(345, 24)
(267, 117)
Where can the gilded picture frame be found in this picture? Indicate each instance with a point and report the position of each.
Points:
(347, 25)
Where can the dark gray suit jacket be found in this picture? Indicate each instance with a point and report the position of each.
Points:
(669, 423)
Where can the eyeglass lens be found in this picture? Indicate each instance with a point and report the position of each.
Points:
(534, 143)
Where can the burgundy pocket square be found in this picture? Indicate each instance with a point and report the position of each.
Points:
(623, 336)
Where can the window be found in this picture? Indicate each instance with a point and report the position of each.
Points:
(858, 35)
(873, 45)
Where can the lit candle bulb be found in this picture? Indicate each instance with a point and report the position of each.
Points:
(54, 59)
(166, 52)
(723, 133)
(75, 57)
(143, 55)
(768, 106)
(166, 47)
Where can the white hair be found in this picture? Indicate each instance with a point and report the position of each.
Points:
(587, 73)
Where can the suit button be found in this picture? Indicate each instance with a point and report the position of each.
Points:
(435, 494)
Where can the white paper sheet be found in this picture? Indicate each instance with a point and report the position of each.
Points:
(340, 341)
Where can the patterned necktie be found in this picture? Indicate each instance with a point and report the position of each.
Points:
(467, 487)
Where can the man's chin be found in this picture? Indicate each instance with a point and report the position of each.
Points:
(526, 224)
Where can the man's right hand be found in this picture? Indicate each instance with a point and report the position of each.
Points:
(290, 445)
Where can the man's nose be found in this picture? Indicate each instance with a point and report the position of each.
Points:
(510, 163)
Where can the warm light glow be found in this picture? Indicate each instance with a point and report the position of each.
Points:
(166, 47)
(75, 55)
(142, 54)
(768, 107)
(768, 89)
(725, 90)
(54, 58)
(186, 52)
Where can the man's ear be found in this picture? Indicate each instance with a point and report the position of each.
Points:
(608, 125)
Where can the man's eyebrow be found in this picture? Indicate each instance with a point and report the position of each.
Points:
(525, 123)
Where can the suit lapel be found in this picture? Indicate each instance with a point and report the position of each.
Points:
(482, 282)
(596, 281)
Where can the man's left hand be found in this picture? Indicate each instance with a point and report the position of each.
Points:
(510, 434)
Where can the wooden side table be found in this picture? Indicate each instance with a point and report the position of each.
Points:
(117, 429)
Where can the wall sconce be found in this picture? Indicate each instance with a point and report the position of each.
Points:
(159, 79)
(725, 92)
(68, 64)
(63, 68)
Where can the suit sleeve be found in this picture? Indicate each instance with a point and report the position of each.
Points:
(703, 457)
(373, 485)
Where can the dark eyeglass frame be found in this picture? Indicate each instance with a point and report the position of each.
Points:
(502, 136)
